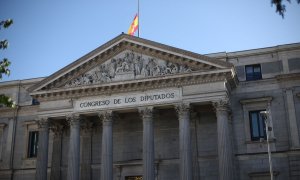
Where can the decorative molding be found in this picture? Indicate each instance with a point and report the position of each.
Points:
(182, 109)
(146, 112)
(106, 116)
(73, 119)
(175, 80)
(256, 100)
(222, 104)
(288, 77)
(57, 127)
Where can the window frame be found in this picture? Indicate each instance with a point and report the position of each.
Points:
(28, 127)
(256, 104)
(261, 135)
(31, 144)
(253, 75)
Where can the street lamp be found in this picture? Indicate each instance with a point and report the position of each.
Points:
(265, 115)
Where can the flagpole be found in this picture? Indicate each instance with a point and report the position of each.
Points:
(138, 18)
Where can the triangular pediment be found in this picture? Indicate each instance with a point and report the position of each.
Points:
(127, 58)
(128, 65)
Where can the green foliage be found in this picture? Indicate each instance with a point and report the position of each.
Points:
(3, 44)
(4, 64)
(280, 7)
(7, 101)
(6, 23)
(4, 67)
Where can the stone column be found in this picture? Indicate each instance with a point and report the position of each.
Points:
(292, 121)
(225, 153)
(185, 151)
(74, 147)
(42, 154)
(107, 145)
(148, 143)
(57, 129)
(86, 150)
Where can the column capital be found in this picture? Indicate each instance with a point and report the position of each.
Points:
(146, 112)
(182, 108)
(57, 127)
(42, 122)
(106, 116)
(221, 104)
(73, 119)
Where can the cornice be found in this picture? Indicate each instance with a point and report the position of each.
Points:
(288, 77)
(261, 51)
(256, 100)
(135, 85)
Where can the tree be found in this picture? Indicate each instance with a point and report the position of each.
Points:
(4, 64)
(280, 7)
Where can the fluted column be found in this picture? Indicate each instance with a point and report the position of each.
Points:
(148, 143)
(42, 154)
(107, 145)
(185, 151)
(57, 128)
(86, 150)
(74, 147)
(225, 154)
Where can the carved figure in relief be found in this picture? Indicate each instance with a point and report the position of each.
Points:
(138, 65)
(130, 62)
(156, 71)
(112, 68)
(151, 65)
(145, 71)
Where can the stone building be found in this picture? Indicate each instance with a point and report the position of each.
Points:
(135, 108)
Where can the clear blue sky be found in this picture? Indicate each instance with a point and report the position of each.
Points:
(48, 35)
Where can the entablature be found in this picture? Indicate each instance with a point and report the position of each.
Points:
(176, 80)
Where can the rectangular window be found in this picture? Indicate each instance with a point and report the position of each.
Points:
(33, 144)
(253, 72)
(257, 126)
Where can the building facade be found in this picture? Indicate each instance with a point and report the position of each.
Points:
(135, 109)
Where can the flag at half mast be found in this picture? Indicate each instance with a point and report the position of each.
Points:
(134, 25)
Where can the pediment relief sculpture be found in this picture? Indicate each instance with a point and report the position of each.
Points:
(128, 66)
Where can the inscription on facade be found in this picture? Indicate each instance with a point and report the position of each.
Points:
(144, 98)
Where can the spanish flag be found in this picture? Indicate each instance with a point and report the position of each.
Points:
(134, 25)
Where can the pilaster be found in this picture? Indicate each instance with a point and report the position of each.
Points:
(292, 121)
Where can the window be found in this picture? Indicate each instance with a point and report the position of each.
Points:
(32, 144)
(35, 102)
(253, 72)
(257, 125)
